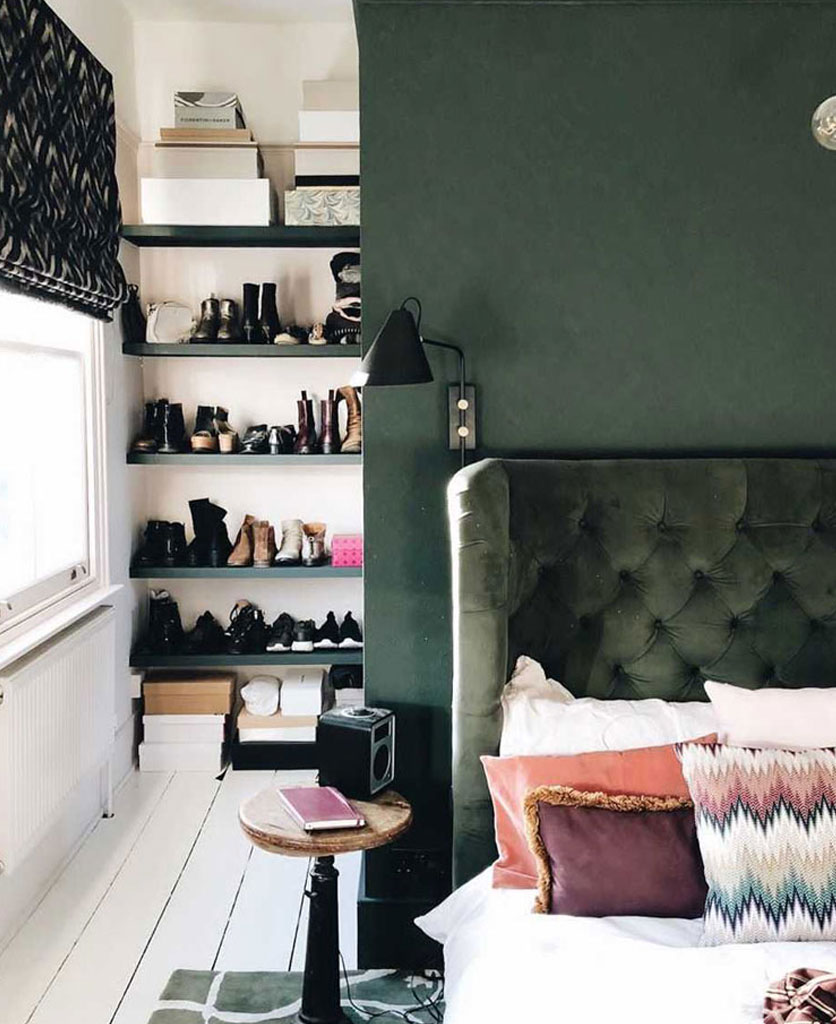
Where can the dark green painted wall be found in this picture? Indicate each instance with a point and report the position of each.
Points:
(620, 212)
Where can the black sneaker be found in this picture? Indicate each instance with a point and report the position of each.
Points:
(281, 634)
(328, 634)
(303, 635)
(256, 440)
(350, 635)
(247, 632)
(207, 637)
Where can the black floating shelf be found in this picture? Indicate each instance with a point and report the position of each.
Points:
(329, 657)
(250, 572)
(214, 459)
(246, 351)
(274, 237)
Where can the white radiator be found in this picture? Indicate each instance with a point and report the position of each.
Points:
(56, 726)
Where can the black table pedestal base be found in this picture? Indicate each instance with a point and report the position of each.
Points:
(321, 981)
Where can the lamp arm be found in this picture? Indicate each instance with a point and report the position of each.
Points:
(462, 390)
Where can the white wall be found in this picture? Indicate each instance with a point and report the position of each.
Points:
(264, 63)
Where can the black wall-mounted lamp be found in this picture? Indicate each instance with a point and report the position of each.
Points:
(397, 357)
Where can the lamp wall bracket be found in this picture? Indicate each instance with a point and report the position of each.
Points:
(465, 418)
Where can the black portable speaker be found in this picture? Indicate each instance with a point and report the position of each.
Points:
(356, 750)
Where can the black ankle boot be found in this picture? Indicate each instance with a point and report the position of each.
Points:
(270, 324)
(229, 327)
(211, 545)
(153, 547)
(207, 637)
(207, 329)
(165, 631)
(146, 440)
(250, 326)
(173, 429)
(173, 544)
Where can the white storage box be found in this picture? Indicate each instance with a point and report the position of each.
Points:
(304, 692)
(210, 201)
(329, 125)
(323, 162)
(183, 728)
(181, 757)
(198, 161)
(323, 205)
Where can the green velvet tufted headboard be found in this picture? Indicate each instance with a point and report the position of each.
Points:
(632, 578)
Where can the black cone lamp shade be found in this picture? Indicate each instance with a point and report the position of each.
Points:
(397, 354)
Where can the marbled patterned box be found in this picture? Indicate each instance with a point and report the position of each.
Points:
(323, 206)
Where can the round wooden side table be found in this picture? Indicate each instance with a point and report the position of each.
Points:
(268, 825)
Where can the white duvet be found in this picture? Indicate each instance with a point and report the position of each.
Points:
(505, 965)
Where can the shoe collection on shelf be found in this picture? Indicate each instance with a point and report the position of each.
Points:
(257, 323)
(256, 544)
(164, 430)
(247, 632)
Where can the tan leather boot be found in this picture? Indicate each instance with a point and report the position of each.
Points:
(353, 440)
(264, 544)
(242, 552)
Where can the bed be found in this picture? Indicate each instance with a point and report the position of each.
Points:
(625, 579)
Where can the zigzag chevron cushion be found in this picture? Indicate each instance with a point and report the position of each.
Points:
(766, 825)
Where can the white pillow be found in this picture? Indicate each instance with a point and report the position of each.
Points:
(774, 717)
(542, 717)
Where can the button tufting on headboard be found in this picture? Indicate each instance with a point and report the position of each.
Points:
(633, 578)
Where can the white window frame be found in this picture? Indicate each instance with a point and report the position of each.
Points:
(34, 607)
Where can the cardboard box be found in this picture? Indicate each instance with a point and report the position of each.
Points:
(329, 125)
(184, 728)
(331, 94)
(305, 691)
(323, 206)
(169, 160)
(277, 728)
(189, 694)
(325, 161)
(220, 202)
(181, 757)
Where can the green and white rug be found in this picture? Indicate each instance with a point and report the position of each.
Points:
(265, 997)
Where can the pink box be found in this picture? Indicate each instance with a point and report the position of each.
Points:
(347, 549)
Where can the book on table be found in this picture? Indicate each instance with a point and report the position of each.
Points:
(317, 808)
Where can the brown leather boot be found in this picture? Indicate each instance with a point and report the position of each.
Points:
(242, 553)
(264, 544)
(306, 440)
(329, 425)
(353, 440)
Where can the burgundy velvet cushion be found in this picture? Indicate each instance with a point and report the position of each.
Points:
(601, 855)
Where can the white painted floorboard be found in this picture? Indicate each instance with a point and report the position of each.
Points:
(169, 882)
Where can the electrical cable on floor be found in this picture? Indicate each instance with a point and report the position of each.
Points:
(429, 1006)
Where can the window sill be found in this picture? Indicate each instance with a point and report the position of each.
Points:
(28, 640)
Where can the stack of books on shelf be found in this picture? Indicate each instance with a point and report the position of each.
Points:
(207, 169)
(327, 160)
(184, 721)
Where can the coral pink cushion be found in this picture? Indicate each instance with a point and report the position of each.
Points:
(648, 771)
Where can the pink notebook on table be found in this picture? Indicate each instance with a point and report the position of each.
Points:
(320, 807)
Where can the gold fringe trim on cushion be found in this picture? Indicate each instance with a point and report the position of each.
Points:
(565, 796)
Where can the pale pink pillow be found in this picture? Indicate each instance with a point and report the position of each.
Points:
(788, 719)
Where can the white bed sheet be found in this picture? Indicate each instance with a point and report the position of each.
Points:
(504, 964)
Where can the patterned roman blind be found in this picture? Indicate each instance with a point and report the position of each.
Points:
(59, 202)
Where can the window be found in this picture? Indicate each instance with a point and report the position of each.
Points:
(49, 378)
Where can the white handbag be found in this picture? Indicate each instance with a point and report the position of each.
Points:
(169, 323)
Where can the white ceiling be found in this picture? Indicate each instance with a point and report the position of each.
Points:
(241, 10)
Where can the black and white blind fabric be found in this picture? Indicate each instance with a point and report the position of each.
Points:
(60, 216)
